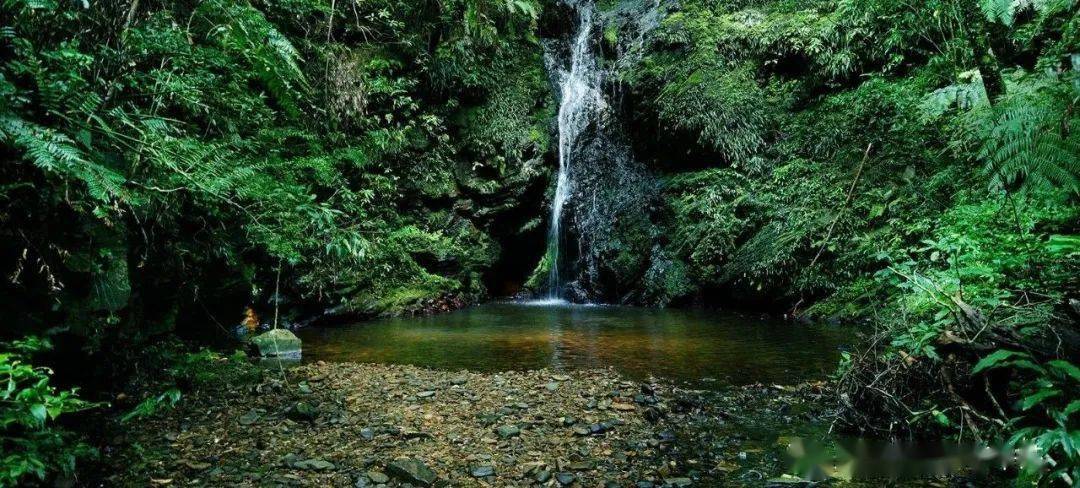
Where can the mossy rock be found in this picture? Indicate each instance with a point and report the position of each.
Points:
(280, 343)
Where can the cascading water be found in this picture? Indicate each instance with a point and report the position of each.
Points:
(580, 99)
(601, 191)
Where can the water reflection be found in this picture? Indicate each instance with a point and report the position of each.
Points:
(683, 345)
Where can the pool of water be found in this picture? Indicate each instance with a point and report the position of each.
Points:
(694, 346)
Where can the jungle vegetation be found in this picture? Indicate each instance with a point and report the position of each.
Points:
(913, 167)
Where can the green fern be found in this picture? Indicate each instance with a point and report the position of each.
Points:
(1029, 141)
(55, 152)
(274, 60)
(1006, 11)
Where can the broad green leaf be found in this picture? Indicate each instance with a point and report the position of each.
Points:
(1037, 398)
(941, 418)
(1068, 369)
(996, 359)
(39, 412)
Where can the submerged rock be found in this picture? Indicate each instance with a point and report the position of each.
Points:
(277, 343)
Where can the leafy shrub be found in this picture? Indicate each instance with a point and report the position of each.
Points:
(1046, 426)
(33, 445)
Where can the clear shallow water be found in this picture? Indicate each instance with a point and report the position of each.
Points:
(696, 346)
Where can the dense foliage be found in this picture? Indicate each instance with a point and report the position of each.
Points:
(910, 165)
(164, 154)
(168, 163)
(32, 443)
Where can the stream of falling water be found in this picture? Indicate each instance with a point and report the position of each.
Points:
(581, 97)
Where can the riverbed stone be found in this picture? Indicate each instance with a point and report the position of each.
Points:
(378, 477)
(508, 431)
(366, 416)
(483, 471)
(410, 470)
(314, 464)
(279, 343)
(302, 411)
(250, 417)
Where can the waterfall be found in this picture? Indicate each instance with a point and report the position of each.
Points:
(580, 99)
(602, 192)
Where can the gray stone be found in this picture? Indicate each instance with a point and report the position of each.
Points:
(302, 411)
(679, 481)
(542, 476)
(565, 478)
(482, 471)
(280, 343)
(787, 481)
(507, 431)
(378, 477)
(249, 418)
(581, 466)
(314, 465)
(411, 470)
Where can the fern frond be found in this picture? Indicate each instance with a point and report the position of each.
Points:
(1029, 141)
